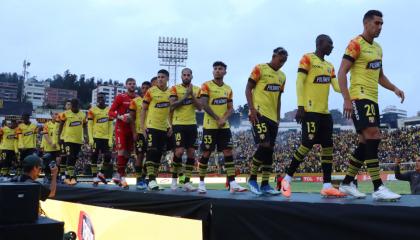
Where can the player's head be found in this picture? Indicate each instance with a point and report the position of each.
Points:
(153, 81)
(13, 123)
(186, 76)
(324, 44)
(418, 164)
(279, 57)
(130, 85)
(219, 70)
(144, 87)
(162, 78)
(74, 104)
(67, 104)
(372, 22)
(100, 99)
(25, 117)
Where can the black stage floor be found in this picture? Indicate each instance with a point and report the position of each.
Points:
(246, 216)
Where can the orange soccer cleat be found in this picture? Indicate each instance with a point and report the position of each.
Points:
(332, 192)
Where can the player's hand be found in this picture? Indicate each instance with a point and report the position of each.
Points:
(54, 145)
(144, 132)
(300, 114)
(221, 122)
(397, 161)
(347, 109)
(253, 116)
(189, 90)
(400, 94)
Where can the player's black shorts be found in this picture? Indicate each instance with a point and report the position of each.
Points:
(8, 156)
(365, 114)
(265, 131)
(101, 145)
(141, 145)
(216, 138)
(317, 128)
(26, 152)
(157, 139)
(73, 149)
(185, 136)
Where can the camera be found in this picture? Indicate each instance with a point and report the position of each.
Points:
(52, 164)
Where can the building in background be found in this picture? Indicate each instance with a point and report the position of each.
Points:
(9, 91)
(393, 109)
(110, 92)
(55, 97)
(34, 92)
(390, 116)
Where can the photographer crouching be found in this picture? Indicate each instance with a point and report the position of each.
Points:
(32, 167)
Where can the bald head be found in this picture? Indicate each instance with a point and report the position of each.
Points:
(324, 44)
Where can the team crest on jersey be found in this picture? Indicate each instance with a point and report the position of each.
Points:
(375, 64)
(207, 146)
(272, 88)
(28, 134)
(102, 120)
(178, 143)
(162, 105)
(262, 136)
(322, 79)
(371, 119)
(311, 136)
(219, 101)
(75, 123)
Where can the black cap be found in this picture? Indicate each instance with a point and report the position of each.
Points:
(32, 161)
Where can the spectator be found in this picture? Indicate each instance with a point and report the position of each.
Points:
(411, 176)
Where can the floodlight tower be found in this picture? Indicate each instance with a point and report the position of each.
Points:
(172, 53)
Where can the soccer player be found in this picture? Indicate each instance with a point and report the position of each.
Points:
(74, 121)
(51, 146)
(184, 101)
(315, 75)
(156, 128)
(63, 156)
(263, 93)
(8, 147)
(216, 100)
(153, 81)
(363, 58)
(27, 136)
(100, 134)
(123, 135)
(138, 137)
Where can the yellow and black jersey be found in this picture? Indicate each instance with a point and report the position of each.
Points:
(219, 97)
(364, 73)
(73, 122)
(63, 131)
(269, 85)
(184, 114)
(8, 138)
(50, 129)
(27, 135)
(99, 123)
(315, 75)
(136, 106)
(158, 110)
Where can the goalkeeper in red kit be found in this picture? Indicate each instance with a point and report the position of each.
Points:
(123, 134)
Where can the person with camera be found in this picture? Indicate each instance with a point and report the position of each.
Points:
(411, 176)
(32, 167)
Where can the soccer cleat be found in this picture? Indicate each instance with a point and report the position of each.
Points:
(102, 178)
(286, 189)
(116, 179)
(124, 183)
(188, 187)
(351, 189)
(253, 187)
(332, 192)
(235, 187)
(153, 186)
(174, 186)
(141, 184)
(268, 190)
(384, 194)
(202, 188)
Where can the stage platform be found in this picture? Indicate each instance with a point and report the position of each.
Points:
(246, 216)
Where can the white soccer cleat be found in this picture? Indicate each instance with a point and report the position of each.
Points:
(153, 186)
(188, 187)
(384, 194)
(174, 185)
(202, 187)
(235, 187)
(351, 190)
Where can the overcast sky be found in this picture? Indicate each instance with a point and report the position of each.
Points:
(118, 38)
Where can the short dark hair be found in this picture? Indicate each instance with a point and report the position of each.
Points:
(153, 79)
(219, 63)
(130, 80)
(146, 83)
(164, 71)
(186, 69)
(320, 38)
(280, 51)
(74, 102)
(371, 13)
